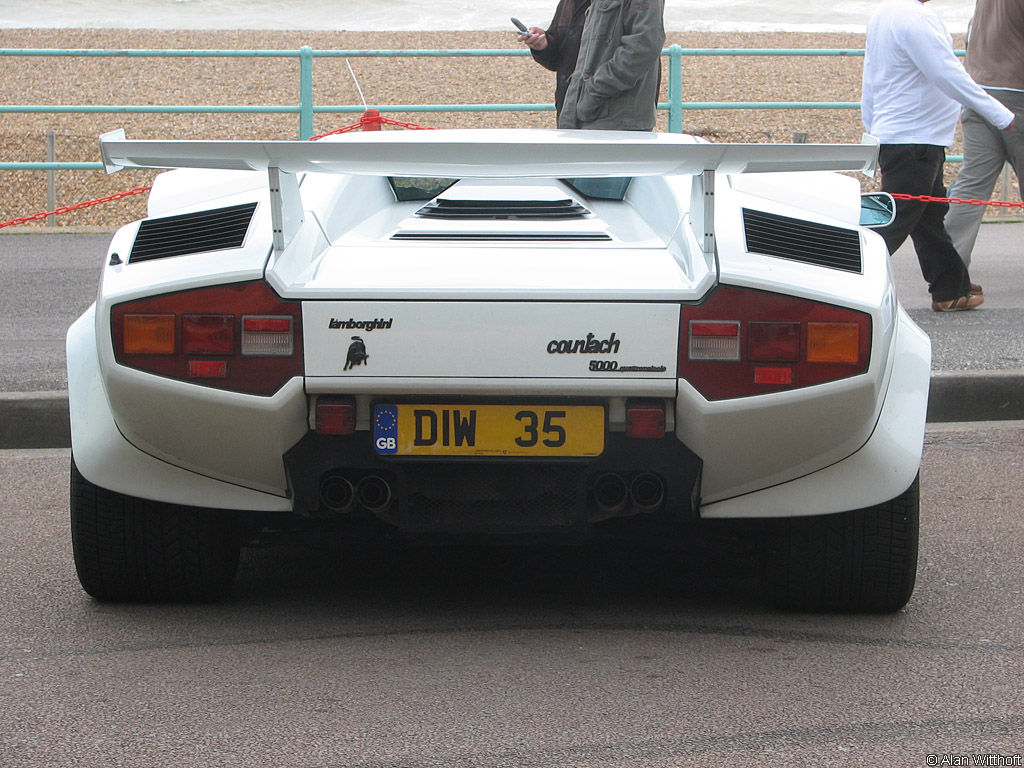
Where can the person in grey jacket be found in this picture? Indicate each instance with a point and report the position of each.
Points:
(558, 47)
(995, 59)
(618, 72)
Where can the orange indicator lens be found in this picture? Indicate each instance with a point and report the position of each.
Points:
(833, 343)
(149, 334)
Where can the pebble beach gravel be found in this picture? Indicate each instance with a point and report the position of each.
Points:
(355, 81)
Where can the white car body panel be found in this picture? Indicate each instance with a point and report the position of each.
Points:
(102, 451)
(890, 457)
(471, 308)
(496, 339)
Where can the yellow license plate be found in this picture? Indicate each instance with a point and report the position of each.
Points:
(488, 430)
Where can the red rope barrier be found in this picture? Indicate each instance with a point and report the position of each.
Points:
(371, 120)
(76, 207)
(957, 200)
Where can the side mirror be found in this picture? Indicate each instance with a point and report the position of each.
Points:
(877, 209)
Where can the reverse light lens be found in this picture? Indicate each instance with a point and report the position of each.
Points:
(266, 336)
(712, 340)
(149, 334)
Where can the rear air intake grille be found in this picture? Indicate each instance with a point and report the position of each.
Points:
(503, 236)
(806, 241)
(192, 233)
(502, 209)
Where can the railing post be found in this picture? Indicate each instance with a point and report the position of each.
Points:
(51, 177)
(305, 92)
(675, 89)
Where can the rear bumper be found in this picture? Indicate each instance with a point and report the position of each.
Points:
(329, 474)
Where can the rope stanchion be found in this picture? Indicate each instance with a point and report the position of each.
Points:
(372, 120)
(76, 207)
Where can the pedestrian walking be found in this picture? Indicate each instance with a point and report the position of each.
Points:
(912, 87)
(995, 60)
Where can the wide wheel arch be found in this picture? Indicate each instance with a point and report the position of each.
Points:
(862, 561)
(131, 549)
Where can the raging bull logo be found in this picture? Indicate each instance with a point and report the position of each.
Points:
(356, 353)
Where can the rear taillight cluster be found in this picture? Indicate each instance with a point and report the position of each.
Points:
(240, 337)
(746, 342)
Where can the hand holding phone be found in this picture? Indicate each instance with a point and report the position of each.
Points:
(521, 29)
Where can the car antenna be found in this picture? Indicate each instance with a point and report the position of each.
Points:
(356, 81)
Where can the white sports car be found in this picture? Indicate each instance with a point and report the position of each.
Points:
(497, 332)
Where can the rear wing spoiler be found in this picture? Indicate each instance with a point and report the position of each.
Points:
(487, 153)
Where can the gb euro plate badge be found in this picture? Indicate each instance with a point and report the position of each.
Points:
(489, 430)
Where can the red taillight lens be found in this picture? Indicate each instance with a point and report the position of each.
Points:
(207, 334)
(241, 337)
(773, 342)
(746, 342)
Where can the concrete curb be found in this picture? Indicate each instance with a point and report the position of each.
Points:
(41, 419)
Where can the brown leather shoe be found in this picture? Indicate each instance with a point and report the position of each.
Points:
(970, 301)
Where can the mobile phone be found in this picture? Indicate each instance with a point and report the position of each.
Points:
(521, 28)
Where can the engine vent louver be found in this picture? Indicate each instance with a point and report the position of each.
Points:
(505, 236)
(804, 241)
(192, 233)
(443, 208)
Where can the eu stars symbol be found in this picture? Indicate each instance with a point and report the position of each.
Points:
(385, 429)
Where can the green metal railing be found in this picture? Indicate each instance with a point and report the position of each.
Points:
(306, 108)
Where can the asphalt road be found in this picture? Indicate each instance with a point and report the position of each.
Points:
(326, 655)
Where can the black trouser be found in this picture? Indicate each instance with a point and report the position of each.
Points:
(916, 169)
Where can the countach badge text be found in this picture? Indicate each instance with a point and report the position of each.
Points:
(588, 346)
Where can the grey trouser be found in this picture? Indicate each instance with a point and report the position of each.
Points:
(986, 149)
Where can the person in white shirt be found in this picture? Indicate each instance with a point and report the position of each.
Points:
(912, 89)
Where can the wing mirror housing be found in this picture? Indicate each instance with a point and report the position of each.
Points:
(877, 209)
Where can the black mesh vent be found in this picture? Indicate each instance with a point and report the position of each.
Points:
(192, 233)
(502, 209)
(799, 240)
(504, 236)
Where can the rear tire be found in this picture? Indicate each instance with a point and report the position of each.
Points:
(864, 561)
(132, 549)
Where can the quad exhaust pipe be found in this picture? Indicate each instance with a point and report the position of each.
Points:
(338, 494)
(374, 493)
(647, 491)
(611, 493)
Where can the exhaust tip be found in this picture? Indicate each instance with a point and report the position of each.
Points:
(610, 492)
(647, 492)
(374, 493)
(337, 493)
